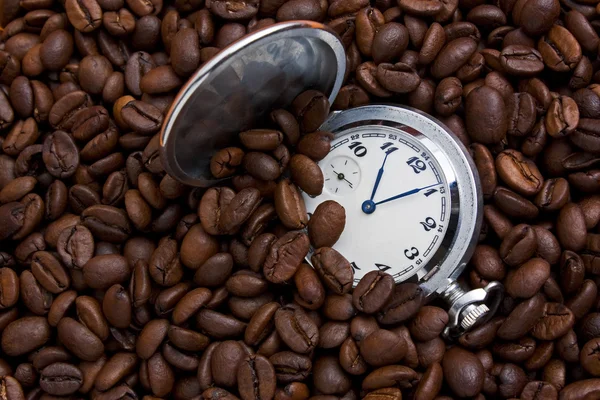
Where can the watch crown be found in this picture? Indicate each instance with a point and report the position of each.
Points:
(472, 316)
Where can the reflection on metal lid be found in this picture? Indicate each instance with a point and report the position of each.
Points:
(238, 87)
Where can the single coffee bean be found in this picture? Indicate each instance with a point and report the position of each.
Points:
(296, 329)
(528, 279)
(326, 224)
(142, 117)
(329, 377)
(61, 379)
(311, 108)
(105, 270)
(289, 205)
(466, 378)
(398, 78)
(527, 15)
(562, 118)
(554, 323)
(570, 227)
(197, 248)
(334, 269)
(290, 366)
(372, 348)
(56, 200)
(36, 329)
(513, 205)
(107, 223)
(261, 139)
(373, 292)
(519, 245)
(65, 108)
(520, 60)
(390, 375)
(285, 256)
(261, 166)
(486, 117)
(225, 162)
(256, 378)
(389, 42)
(48, 270)
(428, 323)
(85, 16)
(448, 96)
(405, 302)
(306, 174)
(560, 50)
(17, 189)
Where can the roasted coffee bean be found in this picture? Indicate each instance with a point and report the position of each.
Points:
(306, 174)
(518, 172)
(107, 223)
(519, 245)
(405, 302)
(36, 329)
(261, 166)
(256, 378)
(513, 205)
(466, 378)
(560, 50)
(397, 78)
(372, 348)
(84, 16)
(296, 329)
(486, 120)
(334, 269)
(65, 108)
(520, 60)
(285, 256)
(562, 118)
(554, 323)
(142, 117)
(311, 108)
(49, 272)
(61, 379)
(373, 292)
(290, 366)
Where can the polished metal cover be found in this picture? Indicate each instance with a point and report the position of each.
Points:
(239, 86)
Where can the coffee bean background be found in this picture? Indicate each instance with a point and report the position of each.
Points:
(119, 282)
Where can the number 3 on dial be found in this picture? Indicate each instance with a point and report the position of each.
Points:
(412, 253)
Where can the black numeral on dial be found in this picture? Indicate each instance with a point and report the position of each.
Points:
(411, 253)
(359, 150)
(416, 164)
(429, 224)
(386, 147)
(382, 267)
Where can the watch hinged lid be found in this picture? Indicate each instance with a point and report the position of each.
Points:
(240, 85)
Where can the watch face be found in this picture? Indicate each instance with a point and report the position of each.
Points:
(397, 200)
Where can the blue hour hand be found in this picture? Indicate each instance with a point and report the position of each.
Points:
(378, 179)
(369, 206)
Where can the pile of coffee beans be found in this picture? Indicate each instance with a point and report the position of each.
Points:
(119, 282)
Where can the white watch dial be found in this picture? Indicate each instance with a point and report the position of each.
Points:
(396, 198)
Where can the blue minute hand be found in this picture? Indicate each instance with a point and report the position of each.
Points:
(408, 193)
(379, 175)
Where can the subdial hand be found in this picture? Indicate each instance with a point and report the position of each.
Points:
(342, 177)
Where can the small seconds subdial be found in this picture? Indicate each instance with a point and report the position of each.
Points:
(396, 198)
(342, 175)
